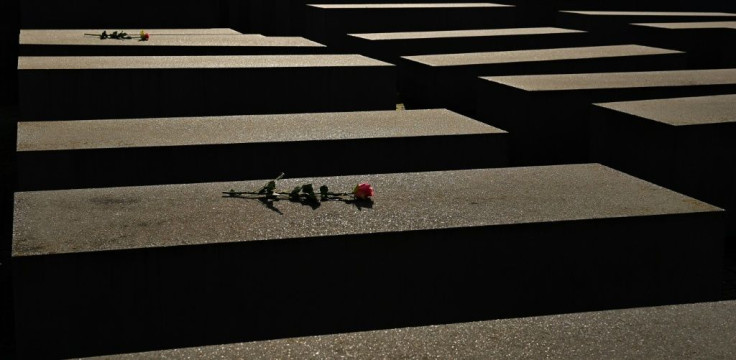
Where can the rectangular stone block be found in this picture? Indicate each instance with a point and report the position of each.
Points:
(547, 115)
(329, 24)
(707, 44)
(163, 43)
(663, 332)
(138, 268)
(685, 144)
(96, 153)
(449, 80)
(60, 88)
(615, 24)
(389, 46)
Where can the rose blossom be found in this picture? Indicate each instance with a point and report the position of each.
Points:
(363, 191)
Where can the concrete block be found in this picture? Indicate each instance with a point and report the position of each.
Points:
(96, 153)
(615, 24)
(62, 88)
(329, 24)
(685, 144)
(161, 43)
(100, 271)
(547, 115)
(450, 80)
(707, 44)
(389, 46)
(704, 330)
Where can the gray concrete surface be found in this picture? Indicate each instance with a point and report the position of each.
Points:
(537, 55)
(194, 62)
(683, 332)
(46, 223)
(691, 25)
(700, 110)
(490, 33)
(120, 133)
(181, 266)
(685, 144)
(125, 152)
(161, 42)
(650, 79)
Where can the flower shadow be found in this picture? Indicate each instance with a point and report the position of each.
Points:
(270, 203)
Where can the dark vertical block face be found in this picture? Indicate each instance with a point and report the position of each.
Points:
(136, 91)
(707, 44)
(151, 278)
(547, 115)
(649, 140)
(9, 29)
(447, 80)
(125, 152)
(92, 14)
(616, 24)
(391, 46)
(329, 24)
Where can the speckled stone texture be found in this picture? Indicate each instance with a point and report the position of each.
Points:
(685, 144)
(547, 115)
(389, 46)
(616, 24)
(123, 152)
(60, 88)
(692, 25)
(179, 266)
(162, 42)
(329, 23)
(450, 80)
(694, 331)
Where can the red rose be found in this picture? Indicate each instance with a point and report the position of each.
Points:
(146, 37)
(363, 191)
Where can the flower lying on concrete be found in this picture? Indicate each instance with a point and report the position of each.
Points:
(120, 35)
(306, 194)
(363, 191)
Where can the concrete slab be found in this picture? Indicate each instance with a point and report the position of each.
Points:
(449, 80)
(65, 33)
(555, 127)
(685, 144)
(692, 331)
(76, 43)
(389, 46)
(95, 153)
(179, 265)
(329, 23)
(692, 25)
(615, 24)
(708, 44)
(61, 88)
